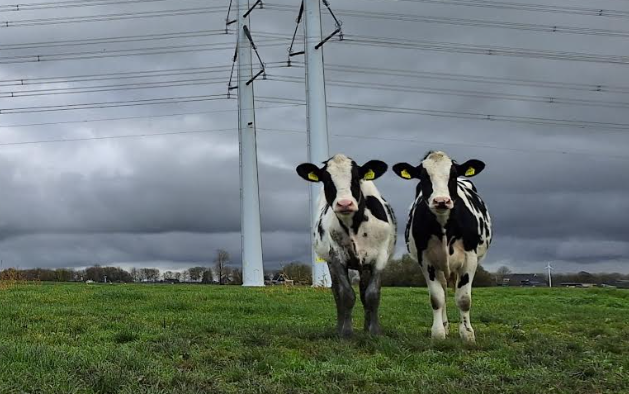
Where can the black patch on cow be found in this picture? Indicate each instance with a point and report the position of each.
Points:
(375, 207)
(359, 216)
(431, 272)
(355, 182)
(434, 303)
(451, 248)
(462, 223)
(365, 235)
(343, 225)
(320, 229)
(465, 303)
(465, 279)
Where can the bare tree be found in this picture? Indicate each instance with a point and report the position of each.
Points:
(207, 276)
(196, 273)
(236, 276)
(220, 265)
(501, 273)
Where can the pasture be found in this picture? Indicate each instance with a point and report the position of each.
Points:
(78, 338)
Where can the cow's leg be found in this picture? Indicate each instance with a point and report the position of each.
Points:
(444, 316)
(344, 297)
(437, 300)
(464, 297)
(370, 296)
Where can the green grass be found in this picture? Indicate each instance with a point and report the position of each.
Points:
(63, 338)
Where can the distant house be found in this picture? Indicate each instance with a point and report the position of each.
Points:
(524, 280)
(576, 284)
(281, 279)
(621, 283)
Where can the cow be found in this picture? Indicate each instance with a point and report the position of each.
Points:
(355, 229)
(448, 233)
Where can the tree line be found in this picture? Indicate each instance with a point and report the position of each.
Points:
(404, 272)
(220, 272)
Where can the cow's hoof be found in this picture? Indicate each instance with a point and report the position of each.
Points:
(438, 334)
(346, 334)
(467, 334)
(374, 330)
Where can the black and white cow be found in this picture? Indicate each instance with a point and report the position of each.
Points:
(355, 229)
(448, 233)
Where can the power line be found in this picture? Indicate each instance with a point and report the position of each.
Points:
(125, 75)
(130, 52)
(70, 4)
(110, 137)
(112, 17)
(418, 141)
(455, 47)
(83, 121)
(113, 76)
(464, 115)
(468, 22)
(116, 39)
(607, 13)
(117, 87)
(473, 78)
(112, 104)
(461, 93)
(483, 49)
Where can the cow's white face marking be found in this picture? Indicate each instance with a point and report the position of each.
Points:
(340, 168)
(438, 166)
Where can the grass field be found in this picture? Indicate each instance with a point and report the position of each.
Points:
(77, 338)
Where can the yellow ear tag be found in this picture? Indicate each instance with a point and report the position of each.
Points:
(370, 176)
(319, 260)
(313, 177)
(405, 174)
(470, 171)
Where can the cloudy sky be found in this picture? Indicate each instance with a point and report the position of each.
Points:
(557, 192)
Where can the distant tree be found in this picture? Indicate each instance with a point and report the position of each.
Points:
(207, 276)
(135, 274)
(299, 272)
(236, 277)
(94, 273)
(482, 278)
(177, 276)
(403, 272)
(196, 273)
(501, 273)
(64, 275)
(149, 274)
(220, 265)
(168, 275)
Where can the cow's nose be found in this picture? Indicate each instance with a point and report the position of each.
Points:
(442, 202)
(344, 204)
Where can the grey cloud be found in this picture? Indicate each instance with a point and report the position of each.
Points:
(170, 201)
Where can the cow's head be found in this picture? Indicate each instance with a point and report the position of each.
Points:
(341, 178)
(437, 175)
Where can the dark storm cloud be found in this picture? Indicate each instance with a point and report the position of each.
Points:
(555, 193)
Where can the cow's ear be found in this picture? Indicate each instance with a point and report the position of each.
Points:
(373, 169)
(470, 168)
(407, 171)
(309, 172)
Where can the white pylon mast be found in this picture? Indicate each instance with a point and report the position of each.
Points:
(251, 241)
(317, 117)
(550, 279)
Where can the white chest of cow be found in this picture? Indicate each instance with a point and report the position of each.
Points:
(367, 241)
